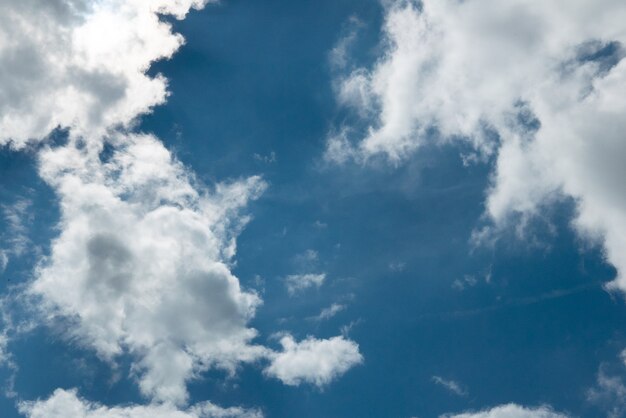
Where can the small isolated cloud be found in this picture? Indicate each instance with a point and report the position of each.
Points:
(313, 361)
(320, 225)
(66, 403)
(306, 259)
(397, 266)
(465, 282)
(450, 385)
(329, 312)
(297, 283)
(510, 411)
(267, 159)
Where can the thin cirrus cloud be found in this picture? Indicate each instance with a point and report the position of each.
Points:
(17, 216)
(539, 87)
(451, 385)
(329, 312)
(141, 264)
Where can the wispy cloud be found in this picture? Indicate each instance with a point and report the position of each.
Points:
(297, 283)
(17, 217)
(465, 282)
(451, 385)
(267, 159)
(329, 312)
(513, 303)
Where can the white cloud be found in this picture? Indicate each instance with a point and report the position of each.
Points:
(467, 281)
(609, 393)
(66, 403)
(81, 64)
(313, 361)
(397, 266)
(17, 216)
(4, 260)
(451, 385)
(329, 312)
(510, 411)
(339, 56)
(141, 264)
(297, 283)
(547, 77)
(306, 259)
(267, 159)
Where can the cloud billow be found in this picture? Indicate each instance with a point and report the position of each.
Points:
(141, 264)
(538, 87)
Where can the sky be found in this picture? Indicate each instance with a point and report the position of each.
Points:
(330, 209)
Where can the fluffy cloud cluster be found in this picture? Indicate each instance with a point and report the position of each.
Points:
(540, 87)
(313, 361)
(141, 265)
(142, 262)
(511, 411)
(81, 64)
(63, 404)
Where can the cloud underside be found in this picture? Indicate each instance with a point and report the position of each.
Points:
(142, 262)
(539, 87)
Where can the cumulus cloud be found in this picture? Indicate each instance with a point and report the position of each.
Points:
(66, 403)
(510, 411)
(313, 361)
(81, 64)
(539, 87)
(141, 264)
(297, 283)
(142, 267)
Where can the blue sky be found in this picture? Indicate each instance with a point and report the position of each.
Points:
(339, 209)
